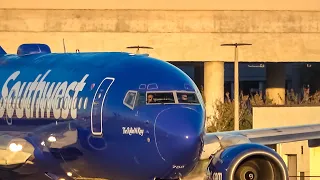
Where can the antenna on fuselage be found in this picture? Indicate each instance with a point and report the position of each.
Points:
(64, 46)
(138, 48)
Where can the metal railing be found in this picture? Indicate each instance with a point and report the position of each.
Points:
(303, 177)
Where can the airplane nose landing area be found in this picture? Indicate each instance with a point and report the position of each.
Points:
(178, 133)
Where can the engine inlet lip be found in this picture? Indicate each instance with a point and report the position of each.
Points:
(242, 156)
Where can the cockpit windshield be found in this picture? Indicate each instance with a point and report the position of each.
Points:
(160, 97)
(172, 97)
(186, 97)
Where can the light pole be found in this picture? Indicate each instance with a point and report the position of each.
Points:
(236, 82)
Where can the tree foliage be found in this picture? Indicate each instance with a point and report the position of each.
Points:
(223, 116)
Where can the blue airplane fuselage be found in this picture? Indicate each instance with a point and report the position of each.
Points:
(94, 105)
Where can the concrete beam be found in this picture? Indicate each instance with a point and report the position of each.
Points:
(269, 47)
(148, 21)
(308, 5)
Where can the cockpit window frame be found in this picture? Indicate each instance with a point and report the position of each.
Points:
(134, 101)
(175, 96)
(174, 92)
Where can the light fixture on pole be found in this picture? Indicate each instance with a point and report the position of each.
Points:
(138, 48)
(236, 83)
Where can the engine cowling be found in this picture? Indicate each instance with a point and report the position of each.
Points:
(247, 162)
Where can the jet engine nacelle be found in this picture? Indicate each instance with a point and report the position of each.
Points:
(247, 162)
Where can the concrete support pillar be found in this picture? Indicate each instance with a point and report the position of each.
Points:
(276, 81)
(213, 85)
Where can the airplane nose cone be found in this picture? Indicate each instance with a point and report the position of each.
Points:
(178, 133)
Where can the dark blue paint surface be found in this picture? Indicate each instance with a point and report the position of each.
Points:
(90, 136)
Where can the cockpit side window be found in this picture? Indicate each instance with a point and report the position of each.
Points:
(130, 98)
(186, 97)
(160, 97)
(141, 99)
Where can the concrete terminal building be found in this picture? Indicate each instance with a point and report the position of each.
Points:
(188, 31)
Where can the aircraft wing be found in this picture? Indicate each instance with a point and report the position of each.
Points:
(266, 136)
(18, 147)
